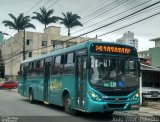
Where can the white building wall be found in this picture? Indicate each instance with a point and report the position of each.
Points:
(128, 38)
(13, 46)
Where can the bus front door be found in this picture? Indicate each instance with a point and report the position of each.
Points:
(81, 81)
(46, 80)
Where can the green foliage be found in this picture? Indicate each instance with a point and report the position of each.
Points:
(45, 17)
(20, 23)
(70, 20)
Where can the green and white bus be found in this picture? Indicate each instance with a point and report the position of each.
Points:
(89, 77)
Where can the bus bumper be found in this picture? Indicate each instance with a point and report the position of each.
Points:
(96, 106)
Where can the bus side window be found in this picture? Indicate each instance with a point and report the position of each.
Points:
(57, 67)
(41, 67)
(21, 70)
(61, 64)
(53, 66)
(31, 69)
(84, 69)
(42, 64)
(69, 63)
(25, 70)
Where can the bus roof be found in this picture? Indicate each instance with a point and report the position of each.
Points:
(70, 49)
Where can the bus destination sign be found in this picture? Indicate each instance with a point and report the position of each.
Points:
(111, 49)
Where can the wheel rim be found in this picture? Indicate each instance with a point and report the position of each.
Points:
(68, 104)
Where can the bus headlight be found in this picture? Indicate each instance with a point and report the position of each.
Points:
(94, 96)
(136, 96)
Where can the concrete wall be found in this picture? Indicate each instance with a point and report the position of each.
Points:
(157, 43)
(155, 56)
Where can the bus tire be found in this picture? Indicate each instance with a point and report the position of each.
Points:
(67, 105)
(31, 98)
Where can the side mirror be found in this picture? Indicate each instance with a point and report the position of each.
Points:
(18, 73)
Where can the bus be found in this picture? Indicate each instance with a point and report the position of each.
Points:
(89, 77)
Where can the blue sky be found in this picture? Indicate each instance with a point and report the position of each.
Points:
(87, 9)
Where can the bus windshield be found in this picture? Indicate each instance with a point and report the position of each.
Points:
(114, 72)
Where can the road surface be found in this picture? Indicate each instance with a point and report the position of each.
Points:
(14, 107)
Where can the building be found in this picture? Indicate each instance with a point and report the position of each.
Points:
(35, 44)
(128, 38)
(143, 54)
(155, 53)
(144, 57)
(151, 55)
(150, 76)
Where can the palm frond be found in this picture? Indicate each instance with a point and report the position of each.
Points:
(45, 17)
(9, 23)
(70, 20)
(20, 23)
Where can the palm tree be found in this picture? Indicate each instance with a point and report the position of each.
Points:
(20, 23)
(70, 20)
(45, 17)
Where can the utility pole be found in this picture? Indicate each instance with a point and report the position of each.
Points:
(24, 50)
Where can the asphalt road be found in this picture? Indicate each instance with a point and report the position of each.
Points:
(15, 108)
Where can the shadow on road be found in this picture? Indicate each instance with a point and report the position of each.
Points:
(80, 117)
(95, 117)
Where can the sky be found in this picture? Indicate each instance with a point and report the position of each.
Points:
(94, 14)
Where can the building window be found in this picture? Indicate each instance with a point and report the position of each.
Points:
(56, 44)
(29, 42)
(29, 54)
(44, 43)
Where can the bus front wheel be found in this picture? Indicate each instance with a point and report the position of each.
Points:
(31, 99)
(67, 105)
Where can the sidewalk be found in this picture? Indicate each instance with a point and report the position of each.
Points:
(146, 111)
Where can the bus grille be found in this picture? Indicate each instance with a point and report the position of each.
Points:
(116, 93)
(116, 105)
(114, 99)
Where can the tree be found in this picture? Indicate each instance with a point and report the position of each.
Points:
(20, 23)
(45, 17)
(70, 20)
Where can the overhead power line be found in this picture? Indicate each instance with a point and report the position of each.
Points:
(111, 17)
(116, 20)
(122, 18)
(13, 56)
(53, 4)
(105, 25)
(130, 24)
(33, 6)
